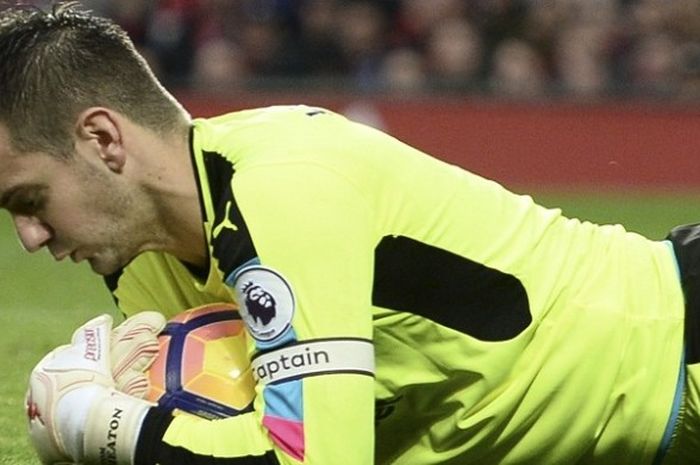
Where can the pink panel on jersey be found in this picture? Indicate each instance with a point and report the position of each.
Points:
(288, 435)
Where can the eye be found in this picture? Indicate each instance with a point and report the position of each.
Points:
(28, 199)
(27, 204)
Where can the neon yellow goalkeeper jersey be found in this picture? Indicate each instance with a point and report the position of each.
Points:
(404, 311)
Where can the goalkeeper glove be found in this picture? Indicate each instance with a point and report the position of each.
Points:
(134, 349)
(75, 413)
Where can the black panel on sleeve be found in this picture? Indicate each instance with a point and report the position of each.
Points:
(686, 245)
(153, 428)
(231, 240)
(451, 290)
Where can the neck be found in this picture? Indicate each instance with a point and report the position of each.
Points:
(168, 177)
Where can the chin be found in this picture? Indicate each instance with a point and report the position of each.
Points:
(104, 267)
(107, 264)
(101, 269)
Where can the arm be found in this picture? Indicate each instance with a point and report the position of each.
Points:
(316, 235)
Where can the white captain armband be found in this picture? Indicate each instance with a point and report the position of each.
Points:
(314, 358)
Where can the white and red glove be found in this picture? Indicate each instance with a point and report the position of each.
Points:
(76, 414)
(134, 349)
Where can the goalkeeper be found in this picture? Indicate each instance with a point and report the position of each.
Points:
(430, 315)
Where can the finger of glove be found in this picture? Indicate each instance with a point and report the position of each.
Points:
(131, 364)
(134, 349)
(135, 343)
(146, 321)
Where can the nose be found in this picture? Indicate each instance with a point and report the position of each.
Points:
(32, 233)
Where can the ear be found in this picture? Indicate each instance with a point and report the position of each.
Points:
(100, 129)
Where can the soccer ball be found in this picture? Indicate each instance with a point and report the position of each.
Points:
(202, 367)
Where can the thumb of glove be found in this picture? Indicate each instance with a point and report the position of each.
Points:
(89, 349)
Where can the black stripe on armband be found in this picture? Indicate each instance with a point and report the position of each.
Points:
(151, 435)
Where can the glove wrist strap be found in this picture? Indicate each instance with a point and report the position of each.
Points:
(112, 429)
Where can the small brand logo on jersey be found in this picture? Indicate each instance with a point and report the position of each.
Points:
(266, 302)
(315, 112)
(225, 223)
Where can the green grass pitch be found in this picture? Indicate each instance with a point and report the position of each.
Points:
(42, 301)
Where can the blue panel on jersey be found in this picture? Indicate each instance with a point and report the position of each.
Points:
(284, 400)
(231, 278)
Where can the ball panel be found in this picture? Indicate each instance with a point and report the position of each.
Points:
(156, 374)
(202, 367)
(217, 330)
(198, 312)
(192, 361)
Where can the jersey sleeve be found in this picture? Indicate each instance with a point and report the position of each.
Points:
(312, 232)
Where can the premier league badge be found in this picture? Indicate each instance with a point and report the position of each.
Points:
(266, 302)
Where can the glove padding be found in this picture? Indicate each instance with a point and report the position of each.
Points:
(134, 349)
(75, 413)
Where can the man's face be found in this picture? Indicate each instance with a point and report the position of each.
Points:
(76, 208)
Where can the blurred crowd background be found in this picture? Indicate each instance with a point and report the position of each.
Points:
(517, 49)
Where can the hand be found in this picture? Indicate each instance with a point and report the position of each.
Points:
(134, 349)
(71, 403)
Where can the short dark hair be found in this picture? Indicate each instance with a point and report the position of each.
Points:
(55, 63)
